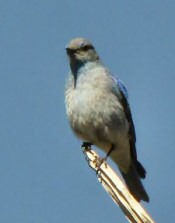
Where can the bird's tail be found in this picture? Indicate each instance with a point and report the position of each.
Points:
(133, 182)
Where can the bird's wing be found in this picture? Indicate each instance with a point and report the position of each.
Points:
(125, 104)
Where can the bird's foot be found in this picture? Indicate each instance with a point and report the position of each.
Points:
(86, 145)
(103, 160)
(99, 162)
(110, 151)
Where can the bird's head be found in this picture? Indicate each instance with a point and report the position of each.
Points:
(80, 51)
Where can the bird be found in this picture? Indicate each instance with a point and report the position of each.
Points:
(99, 112)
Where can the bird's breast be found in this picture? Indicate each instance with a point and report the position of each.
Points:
(94, 113)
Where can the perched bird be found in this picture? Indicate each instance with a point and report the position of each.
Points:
(99, 112)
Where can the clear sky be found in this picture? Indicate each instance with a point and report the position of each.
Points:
(43, 175)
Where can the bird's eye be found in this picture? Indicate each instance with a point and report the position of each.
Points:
(86, 48)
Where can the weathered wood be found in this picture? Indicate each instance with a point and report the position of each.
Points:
(132, 209)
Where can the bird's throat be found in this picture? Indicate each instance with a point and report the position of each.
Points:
(75, 68)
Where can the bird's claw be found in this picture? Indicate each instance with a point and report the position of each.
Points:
(100, 161)
(86, 145)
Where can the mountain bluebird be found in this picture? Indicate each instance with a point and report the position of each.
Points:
(99, 112)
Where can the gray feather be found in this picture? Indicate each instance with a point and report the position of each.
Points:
(134, 184)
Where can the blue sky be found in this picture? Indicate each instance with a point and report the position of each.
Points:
(43, 174)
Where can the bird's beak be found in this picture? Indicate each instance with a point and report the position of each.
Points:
(70, 52)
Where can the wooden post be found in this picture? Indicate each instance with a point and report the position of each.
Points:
(132, 209)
